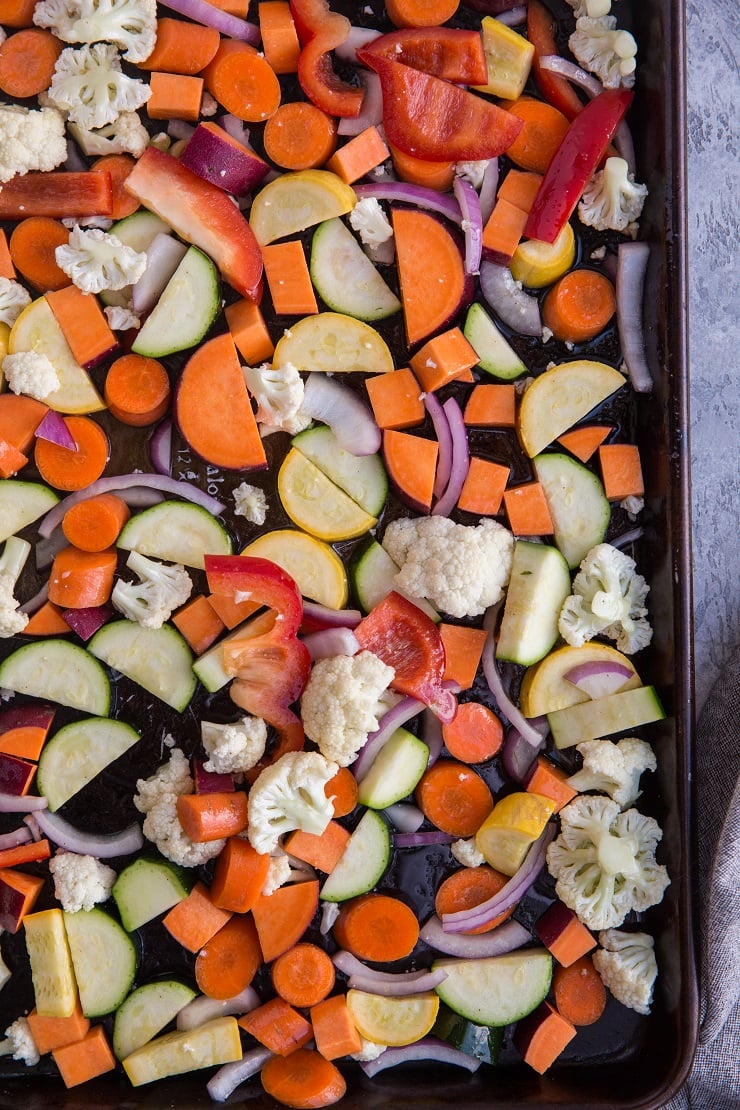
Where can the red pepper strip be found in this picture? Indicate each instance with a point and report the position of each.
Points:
(541, 33)
(445, 52)
(321, 31)
(309, 16)
(56, 194)
(574, 163)
(436, 120)
(405, 638)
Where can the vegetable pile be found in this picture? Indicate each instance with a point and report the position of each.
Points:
(319, 343)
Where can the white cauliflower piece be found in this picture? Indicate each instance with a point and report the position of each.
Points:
(370, 222)
(474, 172)
(233, 748)
(604, 862)
(126, 135)
(605, 51)
(614, 769)
(30, 140)
(13, 299)
(156, 797)
(102, 222)
(161, 589)
(633, 506)
(96, 260)
(80, 881)
(12, 561)
(287, 795)
(466, 852)
(130, 24)
(89, 85)
(612, 201)
(32, 373)
(341, 704)
(593, 8)
(209, 106)
(627, 965)
(278, 391)
(19, 1043)
(462, 569)
(370, 1050)
(608, 599)
(251, 503)
(278, 873)
(121, 318)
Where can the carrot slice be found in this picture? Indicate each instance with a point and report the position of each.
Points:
(583, 442)
(299, 136)
(16, 13)
(137, 390)
(207, 817)
(377, 927)
(580, 994)
(47, 621)
(74, 470)
(82, 579)
(95, 523)
(543, 131)
(483, 488)
(303, 1080)
(431, 294)
(249, 331)
(342, 789)
(358, 156)
(7, 269)
(621, 470)
(50, 1033)
(288, 278)
(239, 876)
(470, 887)
(323, 850)
(454, 797)
(278, 1026)
(227, 964)
(20, 416)
(334, 1030)
(447, 357)
(279, 36)
(412, 464)
(119, 166)
(245, 85)
(85, 1059)
(396, 399)
(25, 853)
(541, 1037)
(527, 510)
(463, 649)
(11, 459)
(579, 306)
(474, 734)
(304, 975)
(182, 47)
(32, 246)
(174, 96)
(420, 13)
(418, 171)
(196, 919)
(283, 917)
(27, 61)
(83, 324)
(198, 623)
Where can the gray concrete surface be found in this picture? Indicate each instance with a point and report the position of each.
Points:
(713, 31)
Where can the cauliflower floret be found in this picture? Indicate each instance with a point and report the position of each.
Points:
(121, 318)
(474, 172)
(32, 373)
(251, 503)
(462, 569)
(96, 261)
(604, 861)
(236, 747)
(156, 797)
(19, 1043)
(30, 140)
(614, 769)
(287, 795)
(278, 391)
(341, 703)
(161, 589)
(633, 506)
(627, 965)
(278, 873)
(126, 135)
(593, 8)
(608, 599)
(370, 1050)
(604, 50)
(130, 24)
(102, 222)
(466, 852)
(12, 561)
(88, 84)
(80, 882)
(13, 299)
(209, 106)
(370, 222)
(612, 200)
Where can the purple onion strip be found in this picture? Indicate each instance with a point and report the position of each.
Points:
(412, 194)
(160, 446)
(496, 686)
(202, 1009)
(502, 939)
(632, 261)
(37, 600)
(472, 223)
(350, 966)
(357, 39)
(421, 839)
(489, 188)
(100, 845)
(230, 1076)
(431, 732)
(428, 1048)
(26, 803)
(460, 459)
(371, 113)
(404, 816)
(404, 984)
(331, 618)
(517, 754)
(235, 129)
(444, 438)
(330, 642)
(514, 16)
(624, 540)
(401, 712)
(18, 836)
(200, 11)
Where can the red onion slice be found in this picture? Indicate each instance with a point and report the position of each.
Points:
(518, 754)
(460, 459)
(428, 1048)
(513, 16)
(329, 914)
(202, 1009)
(625, 539)
(632, 261)
(518, 885)
(100, 845)
(506, 937)
(431, 734)
(230, 1076)
(509, 301)
(372, 106)
(330, 642)
(404, 816)
(421, 839)
(124, 481)
(137, 497)
(389, 984)
(418, 195)
(402, 712)
(235, 129)
(163, 255)
(495, 684)
(179, 129)
(39, 598)
(27, 803)
(18, 836)
(53, 429)
(200, 11)
(340, 407)
(46, 549)
(357, 39)
(443, 433)
(86, 622)
(488, 189)
(160, 447)
(472, 223)
(598, 679)
(320, 616)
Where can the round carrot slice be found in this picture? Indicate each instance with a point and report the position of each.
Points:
(32, 246)
(469, 887)
(454, 798)
(72, 470)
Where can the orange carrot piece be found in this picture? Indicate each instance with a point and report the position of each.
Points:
(207, 817)
(621, 470)
(239, 8)
(239, 876)
(137, 390)
(226, 48)
(95, 523)
(483, 488)
(358, 156)
(85, 1059)
(582, 442)
(563, 934)
(304, 1080)
(278, 1026)
(83, 324)
(289, 281)
(418, 171)
(334, 1030)
(174, 96)
(579, 306)
(27, 61)
(431, 294)
(25, 853)
(304, 975)
(16, 13)
(227, 964)
(463, 649)
(503, 230)
(445, 358)
(181, 47)
(420, 13)
(32, 245)
(491, 406)
(198, 623)
(299, 136)
(580, 994)
(546, 778)
(7, 269)
(47, 621)
(475, 733)
(542, 1036)
(470, 887)
(20, 416)
(321, 850)
(50, 1033)
(11, 459)
(82, 579)
(543, 131)
(196, 919)
(74, 470)
(396, 399)
(244, 84)
(16, 884)
(411, 463)
(527, 510)
(119, 166)
(249, 331)
(520, 188)
(454, 797)
(342, 789)
(279, 37)
(283, 916)
(377, 927)
(231, 612)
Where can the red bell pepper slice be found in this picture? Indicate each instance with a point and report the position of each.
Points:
(405, 638)
(202, 214)
(445, 52)
(320, 31)
(574, 163)
(57, 195)
(436, 120)
(541, 33)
